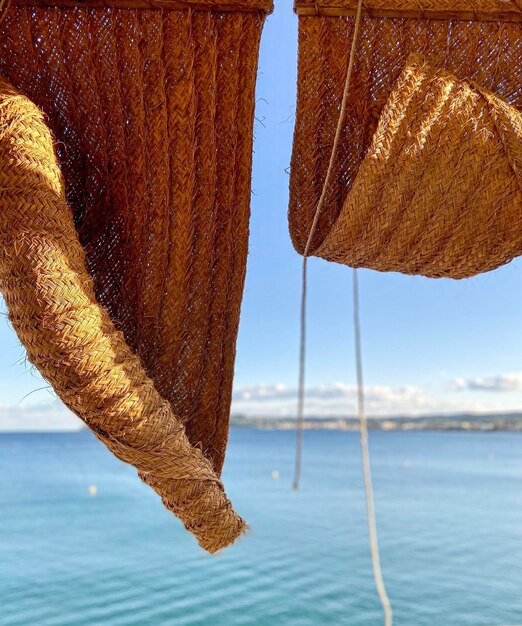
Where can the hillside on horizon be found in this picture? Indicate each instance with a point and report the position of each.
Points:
(508, 421)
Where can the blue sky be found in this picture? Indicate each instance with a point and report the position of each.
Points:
(429, 345)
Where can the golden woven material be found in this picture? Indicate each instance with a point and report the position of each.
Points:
(426, 177)
(152, 112)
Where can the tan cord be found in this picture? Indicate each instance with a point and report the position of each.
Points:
(302, 342)
(365, 454)
(300, 398)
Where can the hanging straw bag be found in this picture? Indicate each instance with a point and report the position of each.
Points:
(125, 157)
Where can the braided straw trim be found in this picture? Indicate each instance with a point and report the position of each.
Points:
(221, 6)
(72, 340)
(480, 10)
(421, 202)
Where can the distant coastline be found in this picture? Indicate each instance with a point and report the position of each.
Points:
(479, 422)
(510, 422)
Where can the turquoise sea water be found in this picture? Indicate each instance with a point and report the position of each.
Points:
(449, 511)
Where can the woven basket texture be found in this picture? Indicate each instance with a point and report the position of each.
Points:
(124, 241)
(426, 179)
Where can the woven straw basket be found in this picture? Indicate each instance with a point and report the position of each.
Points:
(427, 178)
(125, 158)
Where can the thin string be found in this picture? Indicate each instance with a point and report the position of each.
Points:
(329, 173)
(365, 454)
(301, 384)
(372, 527)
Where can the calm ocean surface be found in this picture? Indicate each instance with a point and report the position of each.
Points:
(449, 509)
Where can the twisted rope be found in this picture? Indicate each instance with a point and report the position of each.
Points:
(365, 454)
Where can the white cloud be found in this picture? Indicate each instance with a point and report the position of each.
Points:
(48, 416)
(502, 383)
(340, 399)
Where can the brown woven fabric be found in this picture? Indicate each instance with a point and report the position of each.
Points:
(426, 177)
(152, 113)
